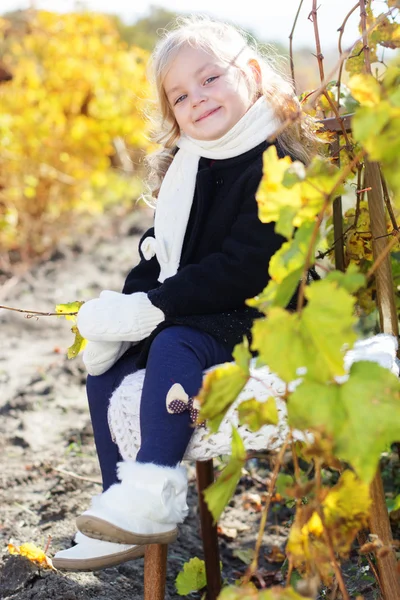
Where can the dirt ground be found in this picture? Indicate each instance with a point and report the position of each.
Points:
(48, 465)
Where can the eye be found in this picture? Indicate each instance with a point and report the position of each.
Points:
(178, 100)
(210, 79)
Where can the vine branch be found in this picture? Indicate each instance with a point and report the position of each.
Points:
(341, 30)
(253, 566)
(291, 45)
(387, 201)
(38, 313)
(313, 17)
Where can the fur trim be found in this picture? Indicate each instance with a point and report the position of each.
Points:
(149, 499)
(132, 472)
(159, 491)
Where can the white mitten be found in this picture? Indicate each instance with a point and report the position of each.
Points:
(380, 348)
(98, 357)
(116, 317)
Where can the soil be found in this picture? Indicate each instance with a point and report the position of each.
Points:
(49, 469)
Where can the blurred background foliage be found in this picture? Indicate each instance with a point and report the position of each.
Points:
(72, 128)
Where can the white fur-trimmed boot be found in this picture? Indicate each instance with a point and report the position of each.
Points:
(90, 555)
(144, 508)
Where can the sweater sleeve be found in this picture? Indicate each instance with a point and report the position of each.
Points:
(144, 276)
(223, 280)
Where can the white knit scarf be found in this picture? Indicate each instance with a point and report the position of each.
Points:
(177, 190)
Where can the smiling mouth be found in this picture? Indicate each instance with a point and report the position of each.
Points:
(207, 114)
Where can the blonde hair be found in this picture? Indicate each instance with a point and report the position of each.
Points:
(236, 48)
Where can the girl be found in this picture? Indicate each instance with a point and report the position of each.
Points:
(182, 308)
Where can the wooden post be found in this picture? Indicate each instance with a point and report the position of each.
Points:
(155, 571)
(379, 520)
(205, 477)
(337, 214)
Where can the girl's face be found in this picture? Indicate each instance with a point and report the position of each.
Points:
(206, 96)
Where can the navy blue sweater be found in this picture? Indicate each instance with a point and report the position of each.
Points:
(225, 254)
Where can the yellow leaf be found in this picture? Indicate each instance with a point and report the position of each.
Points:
(78, 344)
(32, 553)
(348, 502)
(220, 389)
(69, 307)
(365, 89)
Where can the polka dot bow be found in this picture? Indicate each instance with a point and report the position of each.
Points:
(178, 402)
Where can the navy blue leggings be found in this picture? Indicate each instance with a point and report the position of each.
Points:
(177, 355)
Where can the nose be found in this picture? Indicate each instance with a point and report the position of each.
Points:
(198, 97)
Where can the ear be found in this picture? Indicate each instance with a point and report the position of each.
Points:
(256, 69)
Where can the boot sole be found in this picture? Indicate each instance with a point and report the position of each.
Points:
(99, 529)
(99, 562)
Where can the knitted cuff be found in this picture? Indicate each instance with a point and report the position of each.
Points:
(149, 317)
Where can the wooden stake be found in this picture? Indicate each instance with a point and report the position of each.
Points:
(205, 477)
(155, 571)
(379, 519)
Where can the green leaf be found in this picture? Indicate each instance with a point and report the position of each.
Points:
(361, 416)
(284, 224)
(246, 555)
(371, 399)
(277, 294)
(242, 356)
(220, 389)
(367, 123)
(292, 254)
(283, 482)
(393, 504)
(218, 494)
(192, 578)
(78, 344)
(321, 180)
(328, 320)
(316, 406)
(294, 174)
(314, 340)
(279, 336)
(352, 280)
(255, 414)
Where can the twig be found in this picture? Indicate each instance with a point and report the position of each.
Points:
(313, 17)
(336, 567)
(38, 313)
(341, 29)
(361, 539)
(382, 255)
(387, 201)
(316, 93)
(328, 539)
(25, 508)
(290, 571)
(359, 196)
(71, 474)
(291, 46)
(253, 566)
(47, 546)
(349, 145)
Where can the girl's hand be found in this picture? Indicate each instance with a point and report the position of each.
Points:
(99, 357)
(116, 317)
